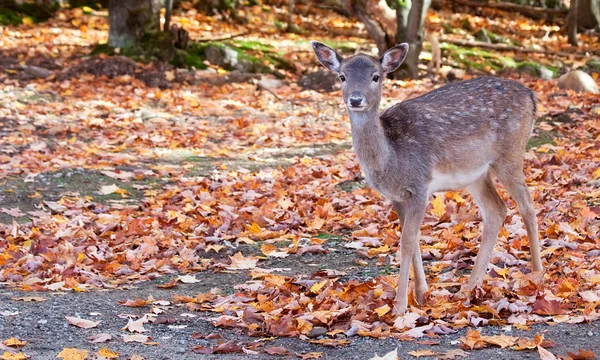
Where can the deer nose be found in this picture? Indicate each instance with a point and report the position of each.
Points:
(355, 99)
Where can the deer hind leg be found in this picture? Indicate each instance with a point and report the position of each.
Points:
(514, 181)
(414, 210)
(417, 260)
(493, 211)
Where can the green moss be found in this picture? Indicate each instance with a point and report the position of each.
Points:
(349, 46)
(477, 58)
(536, 69)
(9, 17)
(594, 64)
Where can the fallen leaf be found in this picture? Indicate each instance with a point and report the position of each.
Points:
(453, 354)
(501, 340)
(113, 189)
(188, 279)
(9, 356)
(277, 350)
(439, 209)
(331, 342)
(30, 299)
(545, 354)
(72, 354)
(14, 342)
(392, 355)
(104, 352)
(139, 338)
(100, 338)
(136, 325)
(82, 323)
(419, 353)
(169, 284)
(582, 355)
(239, 262)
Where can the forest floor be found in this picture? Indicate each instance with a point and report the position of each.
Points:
(207, 217)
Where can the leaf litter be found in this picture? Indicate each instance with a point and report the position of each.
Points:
(81, 243)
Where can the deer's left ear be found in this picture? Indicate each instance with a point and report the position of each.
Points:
(394, 57)
(327, 56)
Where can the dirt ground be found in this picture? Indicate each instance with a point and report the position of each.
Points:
(43, 326)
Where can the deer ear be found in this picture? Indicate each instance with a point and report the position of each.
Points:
(327, 56)
(394, 57)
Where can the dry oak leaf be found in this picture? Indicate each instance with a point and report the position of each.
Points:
(82, 323)
(100, 338)
(104, 352)
(9, 356)
(72, 354)
(419, 353)
(14, 342)
(582, 355)
(392, 355)
(239, 262)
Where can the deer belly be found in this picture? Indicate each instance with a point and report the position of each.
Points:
(455, 180)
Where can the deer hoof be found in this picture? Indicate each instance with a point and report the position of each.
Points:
(420, 295)
(399, 309)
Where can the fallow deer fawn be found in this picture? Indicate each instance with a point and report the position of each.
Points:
(452, 138)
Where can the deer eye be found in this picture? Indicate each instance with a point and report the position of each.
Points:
(343, 78)
(376, 78)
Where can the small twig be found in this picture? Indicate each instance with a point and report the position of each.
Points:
(224, 38)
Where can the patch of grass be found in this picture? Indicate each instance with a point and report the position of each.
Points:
(323, 236)
(541, 138)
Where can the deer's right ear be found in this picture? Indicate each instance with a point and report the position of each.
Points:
(327, 56)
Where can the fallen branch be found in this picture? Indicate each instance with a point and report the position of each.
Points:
(502, 47)
(224, 38)
(529, 11)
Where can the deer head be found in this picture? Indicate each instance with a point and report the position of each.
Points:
(361, 75)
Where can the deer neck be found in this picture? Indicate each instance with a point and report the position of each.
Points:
(368, 139)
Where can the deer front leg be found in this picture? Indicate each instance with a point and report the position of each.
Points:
(417, 261)
(414, 210)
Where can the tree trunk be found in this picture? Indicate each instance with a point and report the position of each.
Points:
(588, 14)
(414, 35)
(402, 20)
(168, 10)
(129, 20)
(572, 23)
(375, 30)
